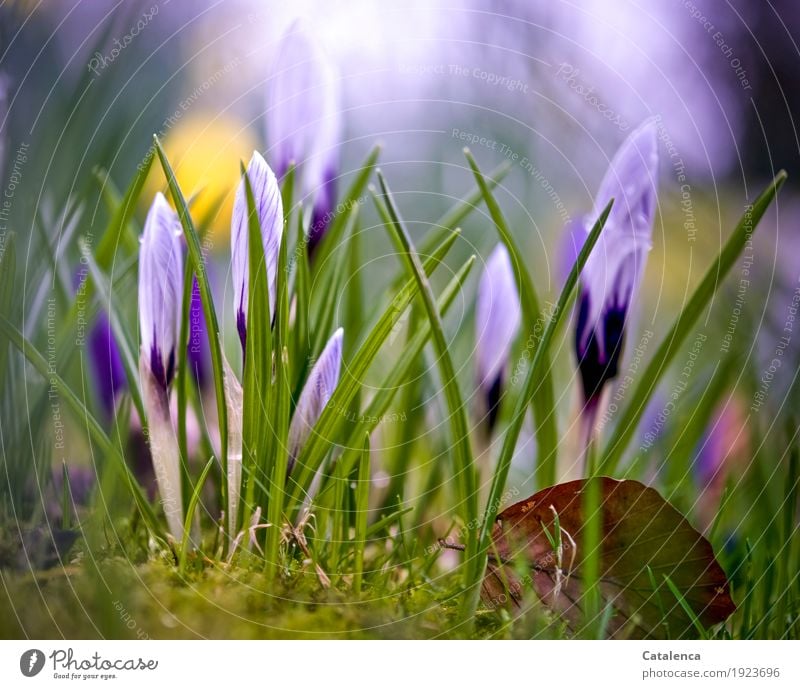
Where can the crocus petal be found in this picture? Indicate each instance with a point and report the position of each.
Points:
(615, 267)
(160, 288)
(303, 119)
(163, 446)
(319, 387)
(269, 206)
(497, 319)
(197, 352)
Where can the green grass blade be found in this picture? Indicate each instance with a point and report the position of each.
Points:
(466, 474)
(256, 440)
(190, 510)
(648, 382)
(388, 388)
(181, 378)
(123, 339)
(281, 401)
(8, 274)
(454, 216)
(331, 288)
(212, 324)
(84, 416)
(110, 240)
(353, 195)
(544, 401)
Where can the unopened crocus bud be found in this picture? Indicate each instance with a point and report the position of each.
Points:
(303, 121)
(160, 292)
(614, 269)
(497, 319)
(269, 207)
(317, 391)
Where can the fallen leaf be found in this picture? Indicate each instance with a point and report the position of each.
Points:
(639, 530)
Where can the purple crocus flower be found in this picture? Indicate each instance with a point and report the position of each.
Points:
(268, 204)
(615, 267)
(197, 353)
(303, 121)
(497, 319)
(317, 391)
(160, 289)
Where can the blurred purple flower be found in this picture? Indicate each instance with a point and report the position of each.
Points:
(497, 319)
(160, 289)
(303, 121)
(197, 354)
(109, 373)
(268, 204)
(615, 267)
(317, 391)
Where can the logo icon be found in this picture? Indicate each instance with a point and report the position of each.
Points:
(31, 662)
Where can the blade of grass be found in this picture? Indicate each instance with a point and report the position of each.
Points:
(280, 414)
(181, 379)
(302, 298)
(459, 432)
(212, 325)
(544, 399)
(658, 365)
(257, 373)
(8, 274)
(331, 289)
(121, 336)
(521, 404)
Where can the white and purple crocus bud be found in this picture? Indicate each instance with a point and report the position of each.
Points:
(304, 123)
(497, 319)
(160, 294)
(317, 391)
(614, 269)
(269, 207)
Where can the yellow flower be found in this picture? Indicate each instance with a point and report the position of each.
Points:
(205, 150)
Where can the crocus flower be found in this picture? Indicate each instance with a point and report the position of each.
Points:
(497, 319)
(317, 391)
(614, 269)
(160, 288)
(106, 361)
(303, 121)
(197, 353)
(269, 207)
